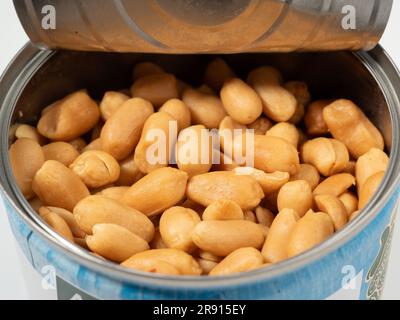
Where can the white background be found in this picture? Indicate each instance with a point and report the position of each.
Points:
(12, 38)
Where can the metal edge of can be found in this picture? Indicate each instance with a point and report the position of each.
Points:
(391, 90)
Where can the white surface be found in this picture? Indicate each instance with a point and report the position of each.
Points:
(12, 38)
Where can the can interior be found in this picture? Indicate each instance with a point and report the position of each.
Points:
(329, 75)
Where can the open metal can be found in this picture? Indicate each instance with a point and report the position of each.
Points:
(350, 265)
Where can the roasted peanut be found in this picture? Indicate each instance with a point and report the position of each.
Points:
(240, 101)
(194, 150)
(115, 242)
(225, 163)
(350, 202)
(350, 168)
(58, 186)
(35, 204)
(240, 260)
(269, 182)
(264, 216)
(96, 168)
(354, 214)
(274, 249)
(209, 187)
(261, 125)
(149, 261)
(227, 132)
(296, 195)
(94, 145)
(129, 172)
(264, 74)
(308, 173)
(216, 73)
(156, 88)
(26, 158)
(69, 117)
(249, 215)
(179, 111)
(29, 132)
(194, 206)
(223, 237)
(205, 255)
(371, 162)
(206, 89)
(154, 148)
(329, 156)
(223, 209)
(157, 191)
(57, 223)
(111, 101)
(143, 69)
(115, 193)
(68, 217)
(98, 209)
(369, 188)
(347, 123)
(121, 133)
(308, 232)
(314, 120)
(60, 151)
(206, 265)
(335, 185)
(204, 108)
(157, 242)
(176, 228)
(79, 144)
(334, 208)
(286, 131)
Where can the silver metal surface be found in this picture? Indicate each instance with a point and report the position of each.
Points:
(205, 26)
(36, 78)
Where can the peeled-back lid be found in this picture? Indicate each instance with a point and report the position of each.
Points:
(204, 26)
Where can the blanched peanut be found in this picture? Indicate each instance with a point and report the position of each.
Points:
(329, 156)
(350, 202)
(179, 111)
(264, 74)
(209, 187)
(205, 255)
(216, 73)
(369, 188)
(69, 117)
(335, 185)
(250, 216)
(96, 168)
(296, 195)
(223, 237)
(223, 209)
(286, 131)
(154, 148)
(111, 101)
(121, 133)
(240, 260)
(308, 173)
(68, 217)
(79, 144)
(143, 69)
(334, 208)
(204, 108)
(300, 91)
(58, 186)
(308, 232)
(94, 145)
(114, 242)
(269, 182)
(57, 223)
(240, 101)
(206, 265)
(261, 125)
(349, 124)
(274, 249)
(157, 191)
(29, 132)
(176, 228)
(60, 151)
(156, 88)
(157, 242)
(115, 193)
(314, 120)
(194, 150)
(98, 209)
(129, 172)
(371, 162)
(264, 216)
(180, 260)
(26, 158)
(275, 154)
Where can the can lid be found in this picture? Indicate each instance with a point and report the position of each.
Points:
(204, 26)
